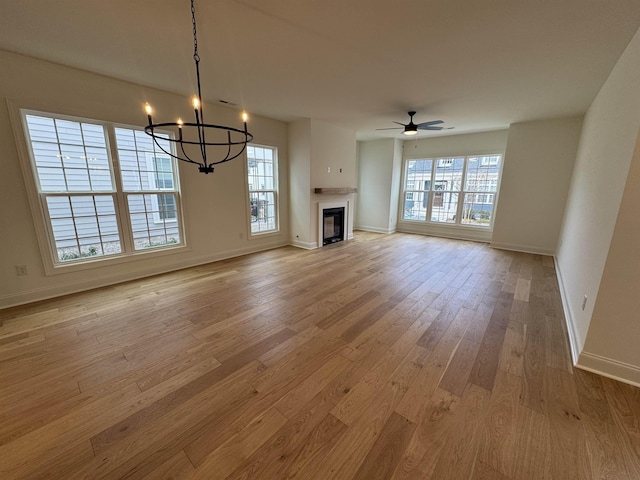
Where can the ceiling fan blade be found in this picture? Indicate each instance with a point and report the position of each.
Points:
(432, 122)
(404, 125)
(391, 128)
(429, 127)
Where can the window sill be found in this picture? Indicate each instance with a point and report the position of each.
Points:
(111, 260)
(270, 233)
(462, 232)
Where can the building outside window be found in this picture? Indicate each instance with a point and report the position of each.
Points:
(456, 190)
(262, 169)
(92, 206)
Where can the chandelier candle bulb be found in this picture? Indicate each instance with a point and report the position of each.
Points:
(245, 117)
(149, 110)
(180, 123)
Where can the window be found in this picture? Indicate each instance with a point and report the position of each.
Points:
(418, 174)
(92, 206)
(147, 170)
(464, 190)
(262, 168)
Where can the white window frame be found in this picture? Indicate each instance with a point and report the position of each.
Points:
(37, 198)
(445, 162)
(252, 189)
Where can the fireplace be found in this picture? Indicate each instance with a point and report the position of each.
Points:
(332, 225)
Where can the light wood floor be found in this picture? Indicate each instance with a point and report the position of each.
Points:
(386, 357)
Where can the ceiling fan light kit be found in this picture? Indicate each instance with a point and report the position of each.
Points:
(412, 128)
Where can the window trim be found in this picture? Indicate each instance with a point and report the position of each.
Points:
(37, 199)
(436, 159)
(275, 191)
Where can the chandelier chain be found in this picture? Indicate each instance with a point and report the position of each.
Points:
(196, 57)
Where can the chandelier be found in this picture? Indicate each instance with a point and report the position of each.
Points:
(199, 135)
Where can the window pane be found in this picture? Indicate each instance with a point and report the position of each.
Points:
(263, 212)
(167, 206)
(143, 166)
(154, 220)
(83, 226)
(69, 132)
(93, 135)
(67, 153)
(46, 154)
(448, 175)
(482, 174)
(415, 206)
(418, 172)
(445, 205)
(477, 209)
(52, 179)
(41, 129)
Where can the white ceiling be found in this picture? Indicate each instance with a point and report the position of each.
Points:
(477, 65)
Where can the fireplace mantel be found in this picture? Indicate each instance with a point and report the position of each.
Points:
(335, 190)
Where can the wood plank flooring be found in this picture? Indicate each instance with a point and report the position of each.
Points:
(386, 357)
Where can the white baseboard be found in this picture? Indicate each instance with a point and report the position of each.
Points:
(522, 248)
(366, 228)
(305, 245)
(608, 367)
(97, 281)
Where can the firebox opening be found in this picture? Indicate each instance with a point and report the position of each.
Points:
(333, 225)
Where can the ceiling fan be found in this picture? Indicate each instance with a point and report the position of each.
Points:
(412, 128)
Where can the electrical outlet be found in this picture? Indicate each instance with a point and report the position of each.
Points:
(22, 270)
(241, 236)
(328, 169)
(584, 302)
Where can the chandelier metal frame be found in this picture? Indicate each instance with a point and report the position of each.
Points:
(236, 141)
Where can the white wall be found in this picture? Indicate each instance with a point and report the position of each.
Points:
(300, 183)
(609, 137)
(466, 144)
(215, 206)
(536, 175)
(332, 148)
(613, 341)
(378, 185)
(396, 180)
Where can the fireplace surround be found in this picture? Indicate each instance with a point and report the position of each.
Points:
(333, 222)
